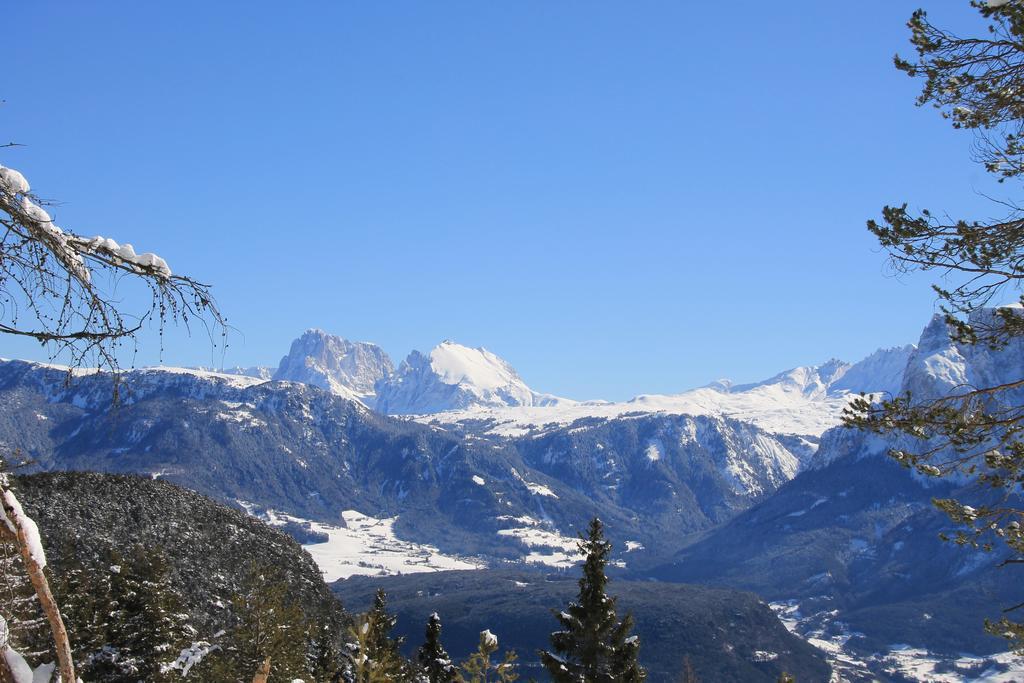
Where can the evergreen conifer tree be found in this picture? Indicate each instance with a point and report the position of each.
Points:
(380, 647)
(327, 661)
(433, 660)
(83, 588)
(267, 624)
(124, 619)
(479, 669)
(975, 433)
(152, 628)
(593, 645)
(371, 663)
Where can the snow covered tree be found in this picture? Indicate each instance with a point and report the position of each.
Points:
(148, 625)
(124, 619)
(326, 653)
(977, 83)
(432, 658)
(369, 662)
(20, 530)
(375, 655)
(58, 288)
(267, 624)
(27, 630)
(380, 645)
(593, 645)
(479, 668)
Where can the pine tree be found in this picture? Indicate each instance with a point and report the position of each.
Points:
(977, 432)
(267, 624)
(478, 668)
(379, 647)
(371, 663)
(326, 653)
(688, 674)
(124, 619)
(433, 660)
(83, 589)
(593, 645)
(151, 628)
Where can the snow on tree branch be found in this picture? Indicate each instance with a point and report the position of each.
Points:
(51, 287)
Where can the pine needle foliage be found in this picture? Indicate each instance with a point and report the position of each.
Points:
(434, 663)
(977, 83)
(267, 623)
(479, 668)
(593, 646)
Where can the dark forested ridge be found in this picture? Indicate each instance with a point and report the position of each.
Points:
(208, 546)
(727, 635)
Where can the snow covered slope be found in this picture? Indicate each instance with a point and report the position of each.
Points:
(348, 369)
(804, 401)
(453, 377)
(364, 546)
(261, 372)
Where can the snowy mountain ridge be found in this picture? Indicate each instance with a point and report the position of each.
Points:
(804, 401)
(453, 377)
(456, 384)
(938, 366)
(348, 369)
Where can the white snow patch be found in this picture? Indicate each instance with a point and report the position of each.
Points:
(535, 489)
(654, 449)
(546, 547)
(25, 524)
(189, 657)
(368, 546)
(827, 633)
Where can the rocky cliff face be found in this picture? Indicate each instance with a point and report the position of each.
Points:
(349, 369)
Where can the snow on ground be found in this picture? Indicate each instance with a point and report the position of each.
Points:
(778, 408)
(546, 546)
(367, 546)
(238, 381)
(535, 489)
(828, 633)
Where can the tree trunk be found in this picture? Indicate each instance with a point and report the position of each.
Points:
(6, 675)
(264, 673)
(42, 587)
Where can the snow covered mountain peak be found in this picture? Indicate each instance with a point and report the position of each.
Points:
(812, 381)
(457, 364)
(453, 377)
(940, 366)
(349, 369)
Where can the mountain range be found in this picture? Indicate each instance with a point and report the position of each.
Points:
(474, 386)
(462, 464)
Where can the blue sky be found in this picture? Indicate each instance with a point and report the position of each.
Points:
(617, 197)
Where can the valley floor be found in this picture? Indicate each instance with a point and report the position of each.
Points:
(825, 631)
